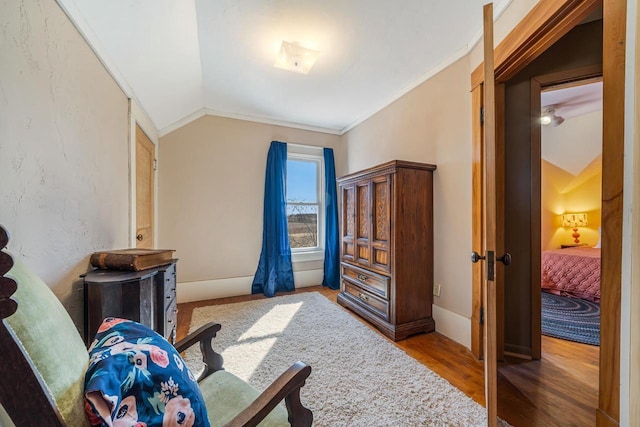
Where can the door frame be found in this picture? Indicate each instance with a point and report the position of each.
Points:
(545, 24)
(537, 84)
(138, 117)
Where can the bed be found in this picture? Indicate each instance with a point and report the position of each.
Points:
(572, 272)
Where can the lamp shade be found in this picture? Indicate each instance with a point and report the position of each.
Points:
(574, 220)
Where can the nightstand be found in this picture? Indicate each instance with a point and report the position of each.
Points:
(573, 245)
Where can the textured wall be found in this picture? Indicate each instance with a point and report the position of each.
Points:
(63, 147)
(211, 189)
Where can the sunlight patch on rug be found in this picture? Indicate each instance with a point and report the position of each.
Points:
(273, 323)
(358, 378)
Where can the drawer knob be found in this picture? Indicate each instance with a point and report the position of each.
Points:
(363, 297)
(361, 277)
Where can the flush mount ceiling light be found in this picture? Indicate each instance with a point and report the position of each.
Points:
(549, 117)
(293, 57)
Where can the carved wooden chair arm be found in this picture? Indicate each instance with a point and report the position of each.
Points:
(286, 386)
(204, 335)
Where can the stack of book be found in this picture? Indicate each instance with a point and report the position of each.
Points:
(131, 259)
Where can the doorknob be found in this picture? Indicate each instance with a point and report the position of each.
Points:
(139, 237)
(505, 259)
(475, 257)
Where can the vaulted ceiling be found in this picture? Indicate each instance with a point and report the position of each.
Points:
(182, 59)
(575, 145)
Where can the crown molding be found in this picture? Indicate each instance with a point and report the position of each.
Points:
(248, 118)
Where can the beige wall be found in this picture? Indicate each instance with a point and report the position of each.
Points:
(211, 189)
(432, 124)
(574, 146)
(586, 197)
(559, 195)
(63, 147)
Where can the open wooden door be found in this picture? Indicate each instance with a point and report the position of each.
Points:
(489, 218)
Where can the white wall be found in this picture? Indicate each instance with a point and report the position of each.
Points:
(211, 191)
(63, 148)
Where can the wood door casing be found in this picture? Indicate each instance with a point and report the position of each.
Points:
(547, 22)
(579, 49)
(145, 189)
(613, 112)
(537, 83)
(477, 221)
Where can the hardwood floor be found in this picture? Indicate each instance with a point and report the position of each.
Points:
(559, 390)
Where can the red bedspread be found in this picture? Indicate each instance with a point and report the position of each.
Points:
(572, 271)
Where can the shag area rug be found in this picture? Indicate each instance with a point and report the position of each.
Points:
(571, 319)
(358, 378)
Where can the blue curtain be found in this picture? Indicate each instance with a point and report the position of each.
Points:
(275, 272)
(331, 244)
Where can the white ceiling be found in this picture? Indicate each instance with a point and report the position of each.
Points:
(577, 142)
(182, 59)
(575, 100)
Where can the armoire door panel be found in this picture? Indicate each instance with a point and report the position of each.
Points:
(347, 250)
(362, 207)
(364, 253)
(348, 219)
(380, 259)
(381, 208)
(348, 223)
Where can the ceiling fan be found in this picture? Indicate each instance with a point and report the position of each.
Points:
(549, 116)
(568, 102)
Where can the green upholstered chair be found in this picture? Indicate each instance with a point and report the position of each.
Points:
(43, 362)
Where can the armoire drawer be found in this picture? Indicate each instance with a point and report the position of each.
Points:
(372, 282)
(376, 305)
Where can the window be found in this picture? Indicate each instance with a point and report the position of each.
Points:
(305, 202)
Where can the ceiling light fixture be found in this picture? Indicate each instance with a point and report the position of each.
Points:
(293, 57)
(549, 117)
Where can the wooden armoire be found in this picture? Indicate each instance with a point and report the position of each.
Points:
(386, 229)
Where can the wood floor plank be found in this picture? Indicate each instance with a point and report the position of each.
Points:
(561, 389)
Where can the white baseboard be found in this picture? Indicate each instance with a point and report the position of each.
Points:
(235, 286)
(452, 325)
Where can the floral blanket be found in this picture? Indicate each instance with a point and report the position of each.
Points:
(136, 378)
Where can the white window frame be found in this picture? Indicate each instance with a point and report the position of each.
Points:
(315, 154)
